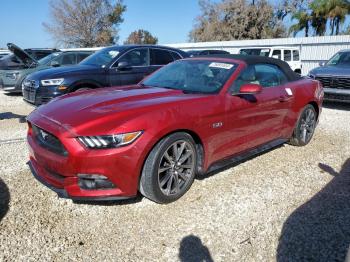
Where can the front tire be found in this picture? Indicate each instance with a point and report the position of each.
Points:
(169, 169)
(305, 127)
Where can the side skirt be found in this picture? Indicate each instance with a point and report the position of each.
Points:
(240, 157)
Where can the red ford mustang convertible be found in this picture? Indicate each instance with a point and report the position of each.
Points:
(188, 118)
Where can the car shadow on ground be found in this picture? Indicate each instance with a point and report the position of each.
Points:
(319, 230)
(193, 250)
(10, 115)
(336, 105)
(4, 199)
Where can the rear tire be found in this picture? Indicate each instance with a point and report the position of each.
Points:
(169, 169)
(305, 127)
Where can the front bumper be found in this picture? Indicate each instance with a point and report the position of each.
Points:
(60, 173)
(337, 95)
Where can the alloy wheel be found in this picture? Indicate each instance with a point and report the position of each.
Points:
(176, 167)
(307, 125)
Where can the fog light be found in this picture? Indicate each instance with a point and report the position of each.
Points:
(94, 182)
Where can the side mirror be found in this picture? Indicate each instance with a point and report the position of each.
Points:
(55, 64)
(322, 63)
(124, 66)
(250, 89)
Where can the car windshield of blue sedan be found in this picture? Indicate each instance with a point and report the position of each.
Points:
(192, 76)
(101, 58)
(341, 58)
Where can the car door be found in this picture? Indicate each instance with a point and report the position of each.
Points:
(160, 57)
(257, 119)
(137, 68)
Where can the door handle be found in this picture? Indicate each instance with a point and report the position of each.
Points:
(283, 99)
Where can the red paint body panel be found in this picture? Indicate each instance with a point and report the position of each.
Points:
(245, 124)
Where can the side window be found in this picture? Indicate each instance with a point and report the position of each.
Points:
(247, 76)
(161, 57)
(269, 75)
(135, 57)
(287, 55)
(276, 53)
(176, 56)
(68, 59)
(82, 56)
(296, 56)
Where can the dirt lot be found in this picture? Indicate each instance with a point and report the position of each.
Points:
(290, 204)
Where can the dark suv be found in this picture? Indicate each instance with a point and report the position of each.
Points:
(111, 66)
(11, 79)
(335, 77)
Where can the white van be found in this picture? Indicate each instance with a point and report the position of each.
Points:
(291, 55)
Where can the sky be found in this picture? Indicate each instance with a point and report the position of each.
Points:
(169, 20)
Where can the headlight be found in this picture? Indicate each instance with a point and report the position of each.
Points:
(109, 141)
(12, 76)
(311, 76)
(52, 82)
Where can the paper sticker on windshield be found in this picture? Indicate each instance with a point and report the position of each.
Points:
(221, 65)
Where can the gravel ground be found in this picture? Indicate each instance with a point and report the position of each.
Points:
(290, 204)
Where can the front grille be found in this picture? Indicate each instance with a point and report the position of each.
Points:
(49, 141)
(334, 82)
(337, 97)
(29, 90)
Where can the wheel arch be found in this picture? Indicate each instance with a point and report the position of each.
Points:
(199, 146)
(87, 83)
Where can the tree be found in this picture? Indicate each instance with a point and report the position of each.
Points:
(227, 20)
(304, 20)
(141, 37)
(85, 23)
(337, 11)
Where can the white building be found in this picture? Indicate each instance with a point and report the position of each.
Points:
(312, 49)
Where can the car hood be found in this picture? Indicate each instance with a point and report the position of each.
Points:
(21, 55)
(80, 112)
(54, 72)
(331, 70)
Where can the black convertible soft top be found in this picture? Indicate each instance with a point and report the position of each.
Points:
(253, 59)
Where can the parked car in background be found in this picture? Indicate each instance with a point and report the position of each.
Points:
(190, 117)
(11, 79)
(12, 61)
(291, 55)
(193, 53)
(111, 66)
(4, 53)
(335, 77)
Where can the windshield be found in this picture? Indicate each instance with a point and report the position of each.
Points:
(47, 59)
(101, 58)
(192, 76)
(341, 58)
(255, 51)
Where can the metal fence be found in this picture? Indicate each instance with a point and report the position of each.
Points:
(313, 49)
